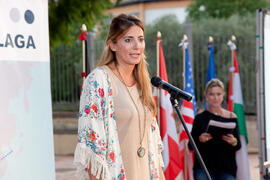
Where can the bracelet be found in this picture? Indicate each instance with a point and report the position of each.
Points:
(234, 144)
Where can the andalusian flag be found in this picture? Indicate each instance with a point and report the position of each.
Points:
(237, 105)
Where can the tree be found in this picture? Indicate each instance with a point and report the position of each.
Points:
(223, 8)
(66, 17)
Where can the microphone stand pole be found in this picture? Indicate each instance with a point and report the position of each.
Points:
(175, 105)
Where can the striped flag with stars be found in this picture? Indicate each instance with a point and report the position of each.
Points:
(188, 111)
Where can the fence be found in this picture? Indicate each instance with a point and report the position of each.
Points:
(65, 77)
(66, 69)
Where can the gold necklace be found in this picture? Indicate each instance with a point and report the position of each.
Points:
(218, 113)
(141, 149)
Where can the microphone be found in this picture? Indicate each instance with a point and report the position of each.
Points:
(158, 82)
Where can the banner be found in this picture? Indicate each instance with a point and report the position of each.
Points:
(26, 132)
(266, 81)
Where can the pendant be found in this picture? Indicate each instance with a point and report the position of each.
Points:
(141, 152)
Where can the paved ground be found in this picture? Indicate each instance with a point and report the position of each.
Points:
(65, 170)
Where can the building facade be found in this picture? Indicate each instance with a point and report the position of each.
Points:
(150, 10)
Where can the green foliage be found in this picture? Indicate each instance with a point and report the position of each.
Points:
(240, 26)
(243, 27)
(200, 9)
(105, 26)
(67, 16)
(101, 37)
(172, 33)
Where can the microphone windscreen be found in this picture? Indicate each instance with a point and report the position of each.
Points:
(156, 81)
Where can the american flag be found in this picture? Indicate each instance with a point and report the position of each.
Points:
(188, 111)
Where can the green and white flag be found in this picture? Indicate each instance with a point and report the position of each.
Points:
(236, 100)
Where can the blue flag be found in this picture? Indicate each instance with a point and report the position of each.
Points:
(211, 65)
(211, 73)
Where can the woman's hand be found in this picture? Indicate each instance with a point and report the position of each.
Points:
(161, 174)
(230, 139)
(204, 137)
(90, 174)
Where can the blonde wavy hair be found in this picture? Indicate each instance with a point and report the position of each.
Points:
(119, 26)
(214, 83)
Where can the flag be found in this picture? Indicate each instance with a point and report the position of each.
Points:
(171, 153)
(238, 108)
(211, 73)
(188, 111)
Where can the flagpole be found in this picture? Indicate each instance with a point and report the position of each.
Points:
(83, 38)
(83, 52)
(184, 82)
(158, 39)
(184, 63)
(231, 72)
(232, 65)
(210, 41)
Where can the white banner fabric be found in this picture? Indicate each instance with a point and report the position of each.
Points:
(266, 81)
(24, 30)
(26, 132)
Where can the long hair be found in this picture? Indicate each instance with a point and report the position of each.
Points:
(119, 26)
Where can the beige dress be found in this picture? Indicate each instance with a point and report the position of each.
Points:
(127, 122)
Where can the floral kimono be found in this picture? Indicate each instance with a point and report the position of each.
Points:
(98, 142)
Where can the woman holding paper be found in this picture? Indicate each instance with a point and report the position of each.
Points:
(217, 143)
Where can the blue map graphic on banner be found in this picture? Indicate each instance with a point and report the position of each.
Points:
(24, 137)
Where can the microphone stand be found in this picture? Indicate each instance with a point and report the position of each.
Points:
(174, 102)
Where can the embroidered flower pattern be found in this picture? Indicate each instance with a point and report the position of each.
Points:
(92, 136)
(92, 140)
(112, 156)
(121, 176)
(110, 91)
(98, 129)
(94, 108)
(154, 173)
(101, 92)
(153, 128)
(87, 110)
